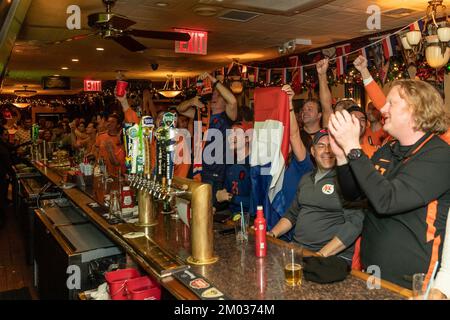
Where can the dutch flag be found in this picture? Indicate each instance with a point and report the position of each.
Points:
(416, 26)
(270, 149)
(389, 45)
(340, 66)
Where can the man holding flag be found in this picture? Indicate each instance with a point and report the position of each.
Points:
(279, 158)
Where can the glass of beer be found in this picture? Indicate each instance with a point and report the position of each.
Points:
(419, 287)
(293, 271)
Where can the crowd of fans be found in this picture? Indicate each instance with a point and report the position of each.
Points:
(369, 185)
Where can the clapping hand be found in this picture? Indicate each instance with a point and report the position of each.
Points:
(345, 129)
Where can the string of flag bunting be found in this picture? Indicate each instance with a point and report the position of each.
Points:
(340, 54)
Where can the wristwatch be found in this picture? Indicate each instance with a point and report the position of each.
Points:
(354, 154)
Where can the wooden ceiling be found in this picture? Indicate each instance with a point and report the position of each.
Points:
(324, 22)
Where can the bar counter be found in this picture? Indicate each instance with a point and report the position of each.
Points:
(238, 273)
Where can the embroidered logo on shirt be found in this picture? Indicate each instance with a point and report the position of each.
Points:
(328, 189)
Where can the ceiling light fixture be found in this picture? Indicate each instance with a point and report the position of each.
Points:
(75, 60)
(25, 93)
(169, 92)
(100, 49)
(64, 68)
(162, 4)
(21, 105)
(432, 40)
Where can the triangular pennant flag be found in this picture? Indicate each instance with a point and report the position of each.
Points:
(302, 75)
(343, 49)
(340, 66)
(389, 46)
(416, 26)
(365, 53)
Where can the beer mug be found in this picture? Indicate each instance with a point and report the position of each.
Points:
(293, 270)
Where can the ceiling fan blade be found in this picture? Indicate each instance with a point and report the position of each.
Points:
(121, 23)
(163, 35)
(77, 37)
(129, 43)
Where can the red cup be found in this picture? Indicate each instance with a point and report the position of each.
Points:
(121, 88)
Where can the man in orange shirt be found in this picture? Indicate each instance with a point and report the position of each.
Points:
(368, 147)
(109, 146)
(374, 132)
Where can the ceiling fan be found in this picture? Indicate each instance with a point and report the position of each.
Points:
(113, 26)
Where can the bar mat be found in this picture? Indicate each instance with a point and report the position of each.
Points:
(104, 213)
(202, 288)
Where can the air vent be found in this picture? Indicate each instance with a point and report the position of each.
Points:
(398, 13)
(238, 15)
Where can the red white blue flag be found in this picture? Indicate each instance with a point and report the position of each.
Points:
(389, 46)
(416, 26)
(270, 149)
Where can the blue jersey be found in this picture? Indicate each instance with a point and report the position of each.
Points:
(221, 122)
(238, 183)
(292, 176)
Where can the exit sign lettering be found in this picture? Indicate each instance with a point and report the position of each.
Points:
(92, 85)
(197, 45)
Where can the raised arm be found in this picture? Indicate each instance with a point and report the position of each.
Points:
(324, 91)
(187, 108)
(227, 95)
(373, 89)
(296, 142)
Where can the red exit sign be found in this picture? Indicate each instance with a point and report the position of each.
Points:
(92, 85)
(197, 45)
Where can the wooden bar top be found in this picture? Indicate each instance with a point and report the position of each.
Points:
(238, 273)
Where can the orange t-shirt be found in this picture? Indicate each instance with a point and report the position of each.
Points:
(368, 149)
(374, 138)
(101, 143)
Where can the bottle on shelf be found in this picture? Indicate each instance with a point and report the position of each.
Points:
(260, 233)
